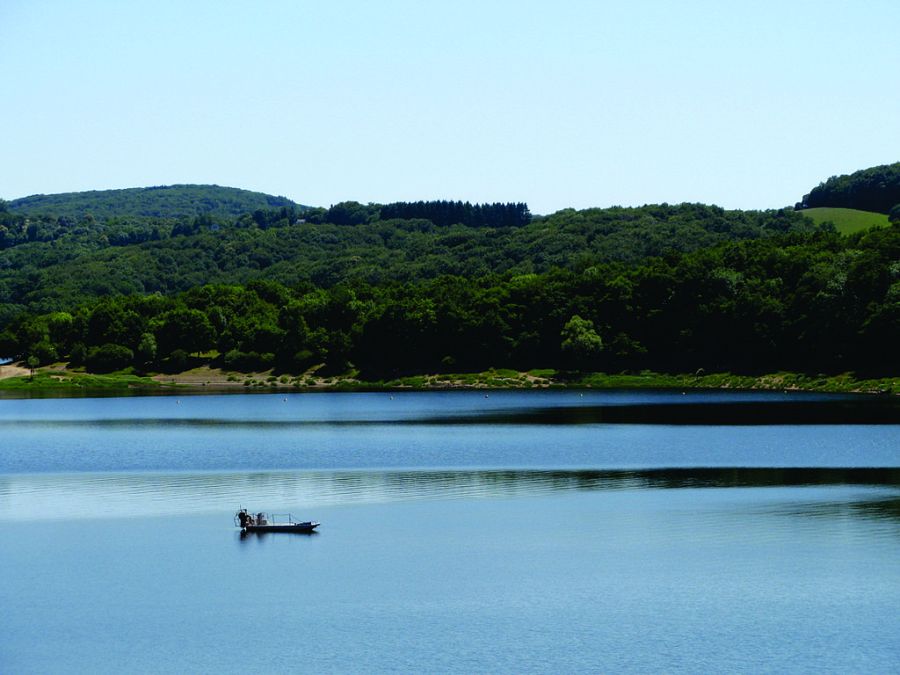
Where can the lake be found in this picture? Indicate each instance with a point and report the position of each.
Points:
(537, 531)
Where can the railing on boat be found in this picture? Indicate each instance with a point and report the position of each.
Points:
(273, 518)
(270, 518)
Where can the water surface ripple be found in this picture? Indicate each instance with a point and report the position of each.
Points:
(550, 532)
(110, 495)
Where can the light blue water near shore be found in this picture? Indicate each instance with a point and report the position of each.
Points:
(445, 547)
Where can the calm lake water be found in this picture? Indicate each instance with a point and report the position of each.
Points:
(519, 532)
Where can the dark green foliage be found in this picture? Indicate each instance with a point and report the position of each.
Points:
(13, 229)
(107, 358)
(76, 265)
(10, 344)
(581, 346)
(445, 213)
(176, 362)
(876, 189)
(147, 348)
(189, 330)
(894, 214)
(350, 213)
(248, 361)
(165, 201)
(438, 213)
(115, 324)
(810, 302)
(78, 354)
(402, 289)
(45, 352)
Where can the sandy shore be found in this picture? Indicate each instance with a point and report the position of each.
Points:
(206, 378)
(13, 370)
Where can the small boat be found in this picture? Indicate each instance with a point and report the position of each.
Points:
(269, 522)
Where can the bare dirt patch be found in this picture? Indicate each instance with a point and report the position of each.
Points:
(199, 377)
(13, 370)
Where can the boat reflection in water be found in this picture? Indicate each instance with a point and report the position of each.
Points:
(244, 535)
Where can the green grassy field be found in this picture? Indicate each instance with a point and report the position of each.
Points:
(847, 221)
(52, 381)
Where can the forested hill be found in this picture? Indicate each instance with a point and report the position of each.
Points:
(166, 201)
(47, 266)
(436, 286)
(875, 189)
(816, 303)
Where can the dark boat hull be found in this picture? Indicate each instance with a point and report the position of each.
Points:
(283, 527)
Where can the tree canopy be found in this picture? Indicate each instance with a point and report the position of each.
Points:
(443, 286)
(164, 201)
(874, 189)
(813, 302)
(49, 264)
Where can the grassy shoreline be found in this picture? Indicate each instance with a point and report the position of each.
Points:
(57, 379)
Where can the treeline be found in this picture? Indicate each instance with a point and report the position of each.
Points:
(49, 218)
(819, 303)
(58, 265)
(444, 213)
(87, 232)
(165, 201)
(875, 189)
(439, 213)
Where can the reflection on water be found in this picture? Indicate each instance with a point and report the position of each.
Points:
(74, 496)
(534, 429)
(883, 508)
(457, 408)
(245, 536)
(570, 542)
(659, 410)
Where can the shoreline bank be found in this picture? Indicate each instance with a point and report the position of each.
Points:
(57, 378)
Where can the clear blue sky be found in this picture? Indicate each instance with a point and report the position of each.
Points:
(741, 104)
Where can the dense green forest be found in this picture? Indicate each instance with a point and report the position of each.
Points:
(875, 189)
(817, 302)
(165, 201)
(443, 286)
(49, 264)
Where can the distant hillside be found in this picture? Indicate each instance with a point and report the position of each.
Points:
(876, 189)
(47, 266)
(847, 221)
(167, 201)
